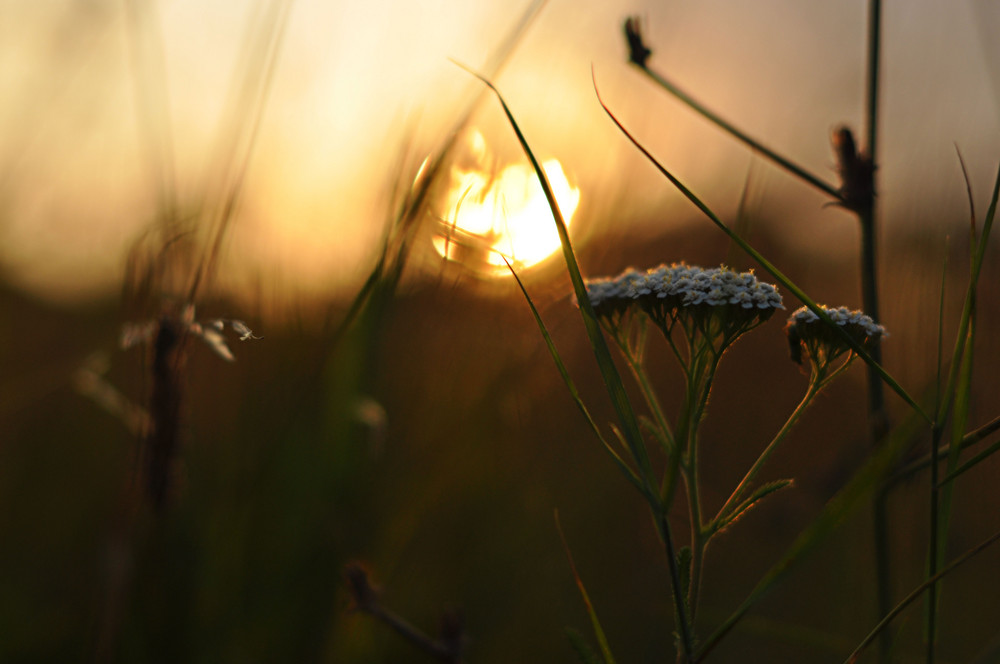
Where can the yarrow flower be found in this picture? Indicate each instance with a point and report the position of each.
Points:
(717, 304)
(822, 344)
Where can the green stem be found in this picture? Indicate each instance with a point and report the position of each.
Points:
(771, 269)
(736, 133)
(683, 624)
(934, 548)
(878, 419)
(874, 59)
(926, 585)
(665, 433)
(811, 391)
(704, 363)
(883, 565)
(869, 297)
(967, 441)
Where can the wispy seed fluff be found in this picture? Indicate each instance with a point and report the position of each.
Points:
(822, 345)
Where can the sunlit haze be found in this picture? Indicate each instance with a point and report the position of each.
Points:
(499, 215)
(108, 113)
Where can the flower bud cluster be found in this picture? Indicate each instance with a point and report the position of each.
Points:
(712, 302)
(684, 285)
(822, 344)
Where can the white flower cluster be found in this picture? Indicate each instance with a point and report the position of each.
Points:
(821, 343)
(855, 320)
(684, 285)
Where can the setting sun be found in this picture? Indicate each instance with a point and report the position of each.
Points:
(495, 213)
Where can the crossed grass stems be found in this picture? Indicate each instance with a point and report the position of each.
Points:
(830, 338)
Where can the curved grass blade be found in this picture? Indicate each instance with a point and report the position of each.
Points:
(571, 386)
(748, 503)
(867, 479)
(583, 651)
(602, 640)
(978, 256)
(968, 440)
(970, 464)
(915, 594)
(609, 372)
(957, 402)
(726, 126)
(612, 381)
(260, 60)
(395, 245)
(769, 267)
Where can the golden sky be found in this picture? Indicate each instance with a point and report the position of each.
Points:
(84, 82)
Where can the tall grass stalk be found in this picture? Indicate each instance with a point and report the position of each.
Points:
(955, 405)
(172, 278)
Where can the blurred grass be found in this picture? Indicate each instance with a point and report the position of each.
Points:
(278, 490)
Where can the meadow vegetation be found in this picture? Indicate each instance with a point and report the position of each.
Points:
(744, 464)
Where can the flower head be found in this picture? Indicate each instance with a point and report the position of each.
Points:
(613, 298)
(822, 344)
(716, 304)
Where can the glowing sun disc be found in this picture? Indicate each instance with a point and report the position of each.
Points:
(504, 214)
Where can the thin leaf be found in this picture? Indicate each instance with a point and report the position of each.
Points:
(971, 463)
(770, 268)
(742, 508)
(583, 651)
(246, 106)
(612, 379)
(381, 283)
(915, 594)
(602, 640)
(609, 372)
(978, 257)
(571, 386)
(958, 400)
(865, 480)
(736, 133)
(968, 440)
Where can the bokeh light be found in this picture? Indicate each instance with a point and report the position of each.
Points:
(499, 215)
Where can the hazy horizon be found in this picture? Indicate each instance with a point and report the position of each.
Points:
(352, 86)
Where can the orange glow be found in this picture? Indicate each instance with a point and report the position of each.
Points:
(492, 214)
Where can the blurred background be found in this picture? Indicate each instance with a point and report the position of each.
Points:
(434, 439)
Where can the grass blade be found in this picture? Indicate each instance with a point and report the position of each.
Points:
(631, 28)
(915, 594)
(971, 463)
(865, 480)
(957, 402)
(602, 640)
(968, 440)
(609, 372)
(751, 501)
(571, 386)
(262, 49)
(612, 381)
(770, 268)
(583, 651)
